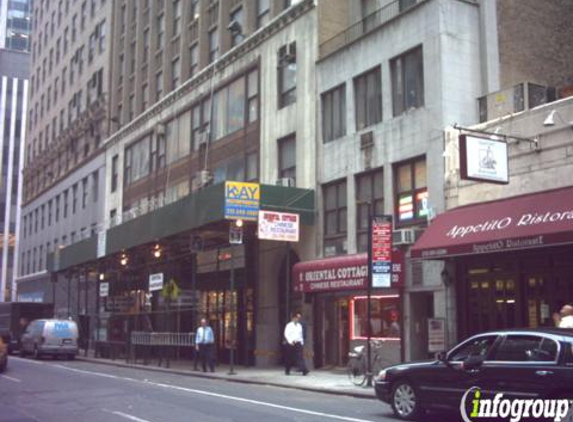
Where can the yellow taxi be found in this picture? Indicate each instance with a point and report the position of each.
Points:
(3, 354)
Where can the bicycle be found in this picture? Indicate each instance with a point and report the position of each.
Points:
(357, 368)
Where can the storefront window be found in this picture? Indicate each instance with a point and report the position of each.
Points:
(384, 317)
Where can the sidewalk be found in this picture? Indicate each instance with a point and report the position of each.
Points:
(332, 381)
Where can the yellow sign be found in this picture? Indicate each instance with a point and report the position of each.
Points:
(242, 200)
(170, 290)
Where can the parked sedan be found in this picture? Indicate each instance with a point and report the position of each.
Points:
(518, 363)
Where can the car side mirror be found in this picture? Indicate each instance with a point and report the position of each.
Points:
(442, 356)
(473, 362)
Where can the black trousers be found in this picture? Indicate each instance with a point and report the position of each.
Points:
(294, 357)
(206, 352)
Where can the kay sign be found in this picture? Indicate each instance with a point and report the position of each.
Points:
(279, 226)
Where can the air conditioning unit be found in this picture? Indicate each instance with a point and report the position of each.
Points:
(203, 140)
(405, 237)
(160, 129)
(202, 178)
(288, 182)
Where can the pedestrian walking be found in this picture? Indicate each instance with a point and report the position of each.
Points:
(294, 347)
(564, 319)
(205, 345)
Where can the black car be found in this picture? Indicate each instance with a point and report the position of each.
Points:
(519, 363)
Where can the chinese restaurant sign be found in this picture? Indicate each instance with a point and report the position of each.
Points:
(242, 200)
(349, 272)
(278, 226)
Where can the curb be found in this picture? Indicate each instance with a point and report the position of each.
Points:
(357, 395)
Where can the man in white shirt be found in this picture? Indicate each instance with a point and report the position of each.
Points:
(294, 345)
(564, 319)
(204, 344)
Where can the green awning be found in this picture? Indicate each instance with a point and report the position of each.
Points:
(189, 213)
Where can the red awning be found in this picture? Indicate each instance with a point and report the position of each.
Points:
(347, 272)
(523, 222)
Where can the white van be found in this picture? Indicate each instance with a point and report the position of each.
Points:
(53, 337)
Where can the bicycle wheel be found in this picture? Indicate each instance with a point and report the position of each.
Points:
(356, 372)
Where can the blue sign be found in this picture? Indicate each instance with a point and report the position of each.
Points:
(62, 329)
(242, 201)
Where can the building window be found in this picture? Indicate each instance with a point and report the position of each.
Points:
(74, 198)
(74, 28)
(200, 117)
(253, 96)
(66, 203)
(57, 208)
(237, 36)
(49, 212)
(194, 59)
(334, 113)
(84, 15)
(411, 191)
(175, 72)
(368, 98)
(177, 143)
(369, 197)
(137, 161)
(334, 196)
(287, 74)
(287, 157)
(101, 34)
(407, 81)
(84, 192)
(213, 45)
(144, 96)
(384, 318)
(158, 85)
(193, 10)
(160, 31)
(145, 45)
(176, 17)
(114, 172)
(263, 12)
(229, 109)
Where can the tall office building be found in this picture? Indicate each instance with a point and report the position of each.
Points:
(15, 25)
(67, 120)
(14, 71)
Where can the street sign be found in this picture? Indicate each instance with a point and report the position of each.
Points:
(103, 289)
(242, 200)
(279, 226)
(381, 251)
(235, 235)
(155, 282)
(101, 243)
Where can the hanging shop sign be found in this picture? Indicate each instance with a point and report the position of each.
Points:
(155, 282)
(280, 226)
(483, 159)
(104, 289)
(381, 251)
(242, 200)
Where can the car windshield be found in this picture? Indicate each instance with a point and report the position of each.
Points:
(479, 346)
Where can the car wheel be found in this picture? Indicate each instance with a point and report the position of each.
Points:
(3, 366)
(71, 357)
(405, 401)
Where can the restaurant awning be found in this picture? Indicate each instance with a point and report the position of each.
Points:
(346, 272)
(523, 222)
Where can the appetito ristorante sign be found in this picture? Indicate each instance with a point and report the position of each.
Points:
(508, 222)
(348, 272)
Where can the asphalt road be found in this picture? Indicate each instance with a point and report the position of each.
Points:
(59, 391)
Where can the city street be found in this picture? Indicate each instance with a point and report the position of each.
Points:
(63, 391)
